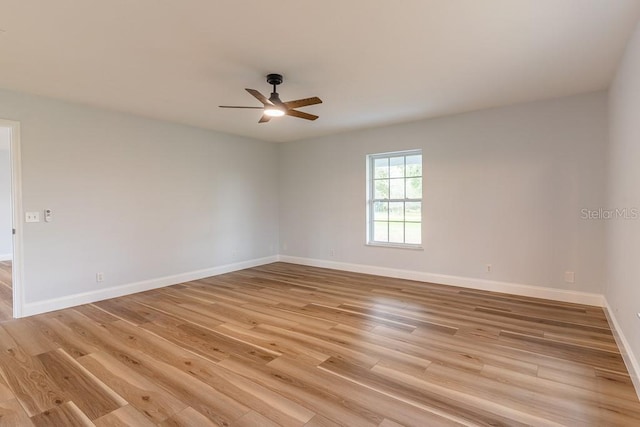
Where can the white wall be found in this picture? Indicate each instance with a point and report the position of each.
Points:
(6, 238)
(623, 236)
(135, 198)
(503, 186)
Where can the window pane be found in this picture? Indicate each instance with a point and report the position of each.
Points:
(413, 232)
(381, 189)
(396, 211)
(395, 201)
(396, 232)
(397, 188)
(413, 211)
(381, 211)
(396, 169)
(414, 188)
(381, 168)
(381, 231)
(414, 165)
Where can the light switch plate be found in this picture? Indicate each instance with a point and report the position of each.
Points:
(32, 217)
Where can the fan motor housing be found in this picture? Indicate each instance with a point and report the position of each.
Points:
(274, 79)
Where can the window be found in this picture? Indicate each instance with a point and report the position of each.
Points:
(394, 211)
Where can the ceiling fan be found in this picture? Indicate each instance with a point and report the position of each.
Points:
(274, 107)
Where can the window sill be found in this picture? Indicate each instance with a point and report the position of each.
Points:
(395, 246)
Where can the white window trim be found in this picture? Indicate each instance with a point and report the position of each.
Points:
(369, 225)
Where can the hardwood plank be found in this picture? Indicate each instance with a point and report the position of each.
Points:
(437, 400)
(371, 401)
(591, 382)
(187, 418)
(210, 344)
(274, 311)
(551, 396)
(148, 399)
(127, 310)
(432, 352)
(266, 339)
(6, 340)
(126, 416)
(58, 335)
(183, 312)
(30, 382)
(13, 415)
(299, 391)
(262, 400)
(356, 340)
(302, 339)
(67, 414)
(388, 315)
(207, 400)
(204, 398)
(602, 329)
(563, 350)
(320, 421)
(5, 391)
(30, 340)
(92, 396)
(254, 419)
(95, 314)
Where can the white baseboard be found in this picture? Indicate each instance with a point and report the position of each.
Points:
(465, 282)
(6, 257)
(630, 360)
(38, 307)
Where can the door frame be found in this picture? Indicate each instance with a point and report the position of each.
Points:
(17, 272)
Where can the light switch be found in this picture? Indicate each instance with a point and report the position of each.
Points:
(32, 217)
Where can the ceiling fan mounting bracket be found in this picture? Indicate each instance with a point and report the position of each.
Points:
(274, 79)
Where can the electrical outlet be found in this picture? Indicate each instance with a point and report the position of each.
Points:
(99, 277)
(32, 217)
(569, 276)
(488, 268)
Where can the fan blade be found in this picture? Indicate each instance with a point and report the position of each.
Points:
(260, 97)
(303, 102)
(234, 106)
(264, 119)
(301, 115)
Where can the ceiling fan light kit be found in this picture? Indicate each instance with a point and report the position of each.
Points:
(274, 107)
(273, 112)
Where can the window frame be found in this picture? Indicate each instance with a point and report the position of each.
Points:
(370, 171)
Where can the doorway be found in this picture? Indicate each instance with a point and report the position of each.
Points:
(10, 224)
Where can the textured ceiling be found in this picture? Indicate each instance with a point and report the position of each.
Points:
(372, 62)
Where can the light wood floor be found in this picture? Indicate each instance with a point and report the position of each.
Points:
(298, 346)
(6, 293)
